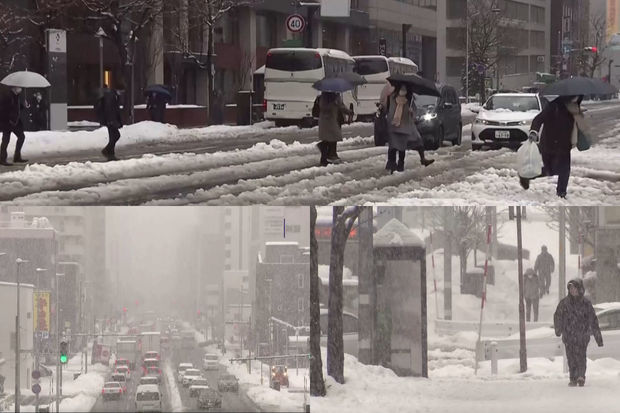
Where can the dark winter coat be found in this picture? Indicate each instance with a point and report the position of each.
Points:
(544, 264)
(532, 286)
(575, 319)
(330, 110)
(558, 125)
(111, 109)
(10, 109)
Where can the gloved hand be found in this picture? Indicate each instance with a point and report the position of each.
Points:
(600, 344)
(533, 136)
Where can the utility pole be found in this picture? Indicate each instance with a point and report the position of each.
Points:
(406, 28)
(37, 336)
(522, 349)
(447, 263)
(562, 254)
(19, 261)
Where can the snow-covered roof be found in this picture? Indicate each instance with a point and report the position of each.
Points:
(395, 233)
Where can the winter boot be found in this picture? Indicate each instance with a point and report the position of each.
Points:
(400, 166)
(572, 383)
(581, 381)
(427, 162)
(391, 166)
(19, 159)
(525, 183)
(561, 194)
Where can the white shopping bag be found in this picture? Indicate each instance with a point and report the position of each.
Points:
(529, 160)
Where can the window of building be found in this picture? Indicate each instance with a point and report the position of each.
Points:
(455, 38)
(456, 9)
(537, 63)
(300, 304)
(537, 39)
(455, 65)
(522, 64)
(514, 10)
(537, 14)
(265, 31)
(227, 253)
(300, 280)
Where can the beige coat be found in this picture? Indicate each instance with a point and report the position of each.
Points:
(329, 128)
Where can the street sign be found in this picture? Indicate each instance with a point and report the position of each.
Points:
(36, 374)
(36, 388)
(295, 23)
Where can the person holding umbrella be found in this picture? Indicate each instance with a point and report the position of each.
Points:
(157, 98)
(10, 111)
(331, 111)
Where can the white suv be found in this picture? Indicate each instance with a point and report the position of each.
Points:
(148, 398)
(505, 120)
(210, 361)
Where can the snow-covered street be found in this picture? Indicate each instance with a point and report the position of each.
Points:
(280, 166)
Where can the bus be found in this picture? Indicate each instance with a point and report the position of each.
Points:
(376, 69)
(289, 75)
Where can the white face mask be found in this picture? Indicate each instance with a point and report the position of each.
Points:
(575, 99)
(17, 90)
(402, 91)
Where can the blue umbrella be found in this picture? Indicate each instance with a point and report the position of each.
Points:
(333, 84)
(159, 89)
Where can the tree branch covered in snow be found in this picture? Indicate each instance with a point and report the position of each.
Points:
(12, 36)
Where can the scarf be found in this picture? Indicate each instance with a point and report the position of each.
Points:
(575, 110)
(401, 101)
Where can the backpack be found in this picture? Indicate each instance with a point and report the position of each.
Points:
(99, 110)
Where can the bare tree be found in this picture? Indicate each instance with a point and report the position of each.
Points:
(317, 384)
(125, 22)
(343, 220)
(491, 39)
(12, 36)
(592, 35)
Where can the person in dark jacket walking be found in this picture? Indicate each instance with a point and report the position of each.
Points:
(11, 122)
(575, 320)
(544, 266)
(402, 132)
(532, 291)
(331, 114)
(561, 119)
(111, 118)
(39, 112)
(156, 104)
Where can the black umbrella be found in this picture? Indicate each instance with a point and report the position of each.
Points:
(416, 83)
(159, 89)
(333, 84)
(578, 86)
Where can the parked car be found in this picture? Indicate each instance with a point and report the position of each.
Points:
(279, 374)
(189, 376)
(438, 119)
(505, 120)
(112, 390)
(149, 380)
(350, 330)
(209, 399)
(210, 361)
(198, 385)
(124, 370)
(228, 382)
(148, 398)
(181, 370)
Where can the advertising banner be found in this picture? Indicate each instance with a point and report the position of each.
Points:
(42, 311)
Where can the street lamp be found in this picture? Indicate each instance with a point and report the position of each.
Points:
(101, 34)
(19, 262)
(59, 365)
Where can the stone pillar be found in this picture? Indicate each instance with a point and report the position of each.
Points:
(155, 54)
(317, 34)
(247, 36)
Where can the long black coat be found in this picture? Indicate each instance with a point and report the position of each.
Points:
(10, 109)
(558, 128)
(575, 319)
(111, 109)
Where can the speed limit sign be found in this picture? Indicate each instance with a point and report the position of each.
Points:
(295, 23)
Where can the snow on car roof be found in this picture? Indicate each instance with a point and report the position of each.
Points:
(186, 365)
(111, 384)
(516, 94)
(150, 359)
(607, 306)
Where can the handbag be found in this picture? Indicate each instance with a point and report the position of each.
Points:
(529, 160)
(381, 128)
(583, 142)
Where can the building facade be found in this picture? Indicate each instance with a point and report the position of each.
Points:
(570, 33)
(530, 21)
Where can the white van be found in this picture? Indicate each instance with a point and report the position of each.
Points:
(148, 398)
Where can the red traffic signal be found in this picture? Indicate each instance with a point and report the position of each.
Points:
(124, 309)
(592, 49)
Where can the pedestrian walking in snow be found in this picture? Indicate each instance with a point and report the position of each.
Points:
(110, 116)
(331, 113)
(402, 132)
(561, 120)
(575, 320)
(39, 113)
(156, 105)
(544, 266)
(11, 122)
(532, 291)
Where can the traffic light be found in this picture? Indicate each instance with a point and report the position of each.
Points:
(64, 348)
(124, 309)
(592, 49)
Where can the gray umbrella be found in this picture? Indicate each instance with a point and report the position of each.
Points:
(579, 86)
(25, 79)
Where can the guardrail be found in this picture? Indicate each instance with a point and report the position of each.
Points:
(489, 328)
